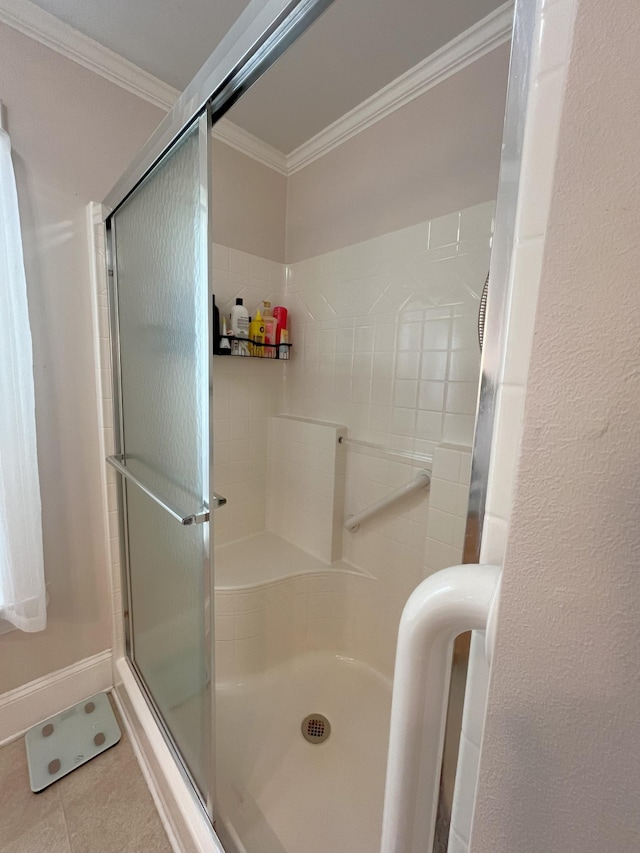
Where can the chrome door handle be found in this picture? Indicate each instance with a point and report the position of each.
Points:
(194, 518)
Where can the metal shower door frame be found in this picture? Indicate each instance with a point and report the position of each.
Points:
(203, 122)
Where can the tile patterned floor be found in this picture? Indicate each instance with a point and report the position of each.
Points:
(102, 807)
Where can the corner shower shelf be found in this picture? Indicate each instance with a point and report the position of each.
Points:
(277, 352)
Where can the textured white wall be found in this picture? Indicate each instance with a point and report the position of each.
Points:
(73, 134)
(559, 768)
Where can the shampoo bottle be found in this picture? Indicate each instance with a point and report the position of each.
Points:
(256, 335)
(240, 329)
(280, 315)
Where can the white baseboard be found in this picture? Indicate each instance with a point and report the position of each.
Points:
(24, 707)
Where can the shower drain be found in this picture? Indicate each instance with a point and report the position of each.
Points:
(316, 728)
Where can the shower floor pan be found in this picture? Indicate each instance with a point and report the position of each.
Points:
(278, 793)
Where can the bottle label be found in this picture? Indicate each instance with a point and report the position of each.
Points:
(242, 326)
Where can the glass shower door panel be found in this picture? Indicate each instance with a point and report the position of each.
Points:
(168, 622)
(162, 290)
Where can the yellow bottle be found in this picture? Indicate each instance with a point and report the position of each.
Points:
(256, 335)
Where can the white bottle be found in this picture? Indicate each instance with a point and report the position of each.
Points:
(240, 329)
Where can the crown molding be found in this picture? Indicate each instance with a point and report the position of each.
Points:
(474, 43)
(32, 21)
(250, 145)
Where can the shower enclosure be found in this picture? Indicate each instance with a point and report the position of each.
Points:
(260, 631)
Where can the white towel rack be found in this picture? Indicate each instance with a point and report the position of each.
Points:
(421, 481)
(446, 604)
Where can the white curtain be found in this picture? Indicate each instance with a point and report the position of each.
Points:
(22, 590)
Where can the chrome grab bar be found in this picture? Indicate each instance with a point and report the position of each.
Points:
(194, 518)
(420, 481)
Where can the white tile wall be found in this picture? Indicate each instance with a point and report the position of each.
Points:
(391, 546)
(246, 393)
(333, 610)
(306, 484)
(269, 623)
(238, 274)
(386, 332)
(447, 507)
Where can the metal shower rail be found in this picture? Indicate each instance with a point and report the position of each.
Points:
(199, 517)
(420, 481)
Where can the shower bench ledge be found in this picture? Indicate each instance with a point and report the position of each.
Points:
(266, 557)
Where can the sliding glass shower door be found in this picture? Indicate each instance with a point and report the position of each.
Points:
(160, 298)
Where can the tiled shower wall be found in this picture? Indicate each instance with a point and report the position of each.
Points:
(398, 366)
(386, 332)
(246, 393)
(305, 493)
(386, 343)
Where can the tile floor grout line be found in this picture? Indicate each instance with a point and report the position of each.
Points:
(66, 822)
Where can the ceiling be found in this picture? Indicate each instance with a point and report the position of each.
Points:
(170, 39)
(354, 49)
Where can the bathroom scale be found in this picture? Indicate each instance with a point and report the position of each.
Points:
(68, 740)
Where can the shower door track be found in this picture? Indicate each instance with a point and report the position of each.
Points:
(168, 738)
